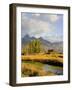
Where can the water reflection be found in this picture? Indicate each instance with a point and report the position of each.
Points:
(55, 69)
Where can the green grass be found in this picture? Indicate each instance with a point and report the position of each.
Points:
(37, 64)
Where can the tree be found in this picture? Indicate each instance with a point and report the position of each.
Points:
(36, 46)
(32, 47)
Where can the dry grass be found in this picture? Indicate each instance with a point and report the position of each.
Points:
(42, 57)
(35, 66)
(33, 70)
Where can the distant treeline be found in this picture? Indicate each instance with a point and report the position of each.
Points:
(35, 47)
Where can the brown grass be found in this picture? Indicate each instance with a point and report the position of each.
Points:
(42, 57)
(32, 70)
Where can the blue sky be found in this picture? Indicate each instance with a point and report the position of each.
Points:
(45, 25)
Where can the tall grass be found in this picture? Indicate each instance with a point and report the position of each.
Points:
(30, 69)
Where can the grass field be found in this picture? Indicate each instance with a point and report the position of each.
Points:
(34, 69)
(32, 65)
(42, 57)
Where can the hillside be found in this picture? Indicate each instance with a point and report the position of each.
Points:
(47, 45)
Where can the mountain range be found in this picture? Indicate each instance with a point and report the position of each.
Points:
(56, 46)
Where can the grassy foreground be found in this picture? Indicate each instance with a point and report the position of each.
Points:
(32, 65)
(34, 69)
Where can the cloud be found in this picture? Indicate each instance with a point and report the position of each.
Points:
(53, 37)
(53, 17)
(36, 14)
(35, 27)
(40, 27)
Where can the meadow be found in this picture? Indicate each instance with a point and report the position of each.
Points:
(33, 65)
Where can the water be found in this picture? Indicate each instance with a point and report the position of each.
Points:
(54, 69)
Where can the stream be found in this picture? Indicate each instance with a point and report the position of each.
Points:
(55, 69)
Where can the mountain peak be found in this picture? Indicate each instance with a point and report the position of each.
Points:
(57, 46)
(40, 38)
(26, 35)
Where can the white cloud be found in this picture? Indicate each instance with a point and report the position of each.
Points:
(36, 27)
(53, 18)
(36, 14)
(39, 27)
(53, 38)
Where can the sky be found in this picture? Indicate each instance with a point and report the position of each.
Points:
(45, 25)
